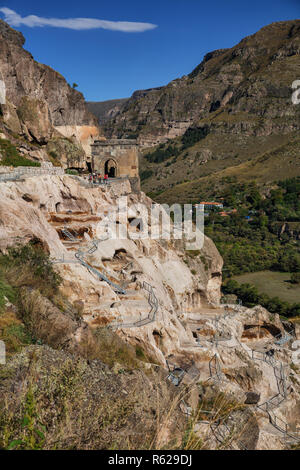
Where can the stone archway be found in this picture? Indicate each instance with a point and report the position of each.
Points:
(110, 168)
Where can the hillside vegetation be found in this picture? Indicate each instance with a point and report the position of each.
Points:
(262, 234)
(232, 116)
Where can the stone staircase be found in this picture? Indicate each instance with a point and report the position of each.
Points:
(275, 401)
(151, 316)
(74, 243)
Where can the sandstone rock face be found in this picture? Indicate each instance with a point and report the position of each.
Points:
(40, 95)
(66, 151)
(10, 117)
(230, 349)
(34, 115)
(25, 77)
(39, 208)
(84, 134)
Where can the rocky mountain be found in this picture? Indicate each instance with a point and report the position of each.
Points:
(107, 367)
(39, 103)
(105, 110)
(227, 116)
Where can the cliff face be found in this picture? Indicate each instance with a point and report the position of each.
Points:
(218, 348)
(253, 77)
(23, 76)
(39, 102)
(57, 201)
(106, 110)
(233, 116)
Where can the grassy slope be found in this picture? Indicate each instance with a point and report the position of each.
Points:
(282, 162)
(259, 120)
(272, 283)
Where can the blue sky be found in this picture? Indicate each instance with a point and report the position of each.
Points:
(112, 63)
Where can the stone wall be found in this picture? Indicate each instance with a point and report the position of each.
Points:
(122, 152)
(26, 171)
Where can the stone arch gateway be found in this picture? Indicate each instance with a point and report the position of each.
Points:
(117, 158)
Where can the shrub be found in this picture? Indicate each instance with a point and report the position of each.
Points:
(29, 266)
(11, 157)
(193, 135)
(162, 153)
(6, 291)
(295, 278)
(145, 174)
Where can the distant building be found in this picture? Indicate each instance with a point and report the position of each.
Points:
(211, 205)
(117, 158)
(227, 213)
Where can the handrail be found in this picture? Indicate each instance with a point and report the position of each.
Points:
(153, 302)
(91, 249)
(279, 373)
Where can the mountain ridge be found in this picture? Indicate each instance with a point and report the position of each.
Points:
(235, 106)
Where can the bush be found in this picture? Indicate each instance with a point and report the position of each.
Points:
(6, 291)
(14, 333)
(145, 174)
(295, 278)
(29, 266)
(162, 153)
(193, 135)
(11, 157)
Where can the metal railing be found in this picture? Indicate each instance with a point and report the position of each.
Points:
(269, 405)
(153, 302)
(280, 340)
(79, 255)
(99, 274)
(215, 368)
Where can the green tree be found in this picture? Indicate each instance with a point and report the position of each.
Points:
(295, 278)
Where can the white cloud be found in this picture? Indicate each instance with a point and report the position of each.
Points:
(14, 19)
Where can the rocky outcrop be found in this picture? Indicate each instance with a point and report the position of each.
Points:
(67, 152)
(253, 77)
(39, 102)
(57, 201)
(228, 351)
(233, 116)
(106, 110)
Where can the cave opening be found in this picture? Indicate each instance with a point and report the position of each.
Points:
(110, 168)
